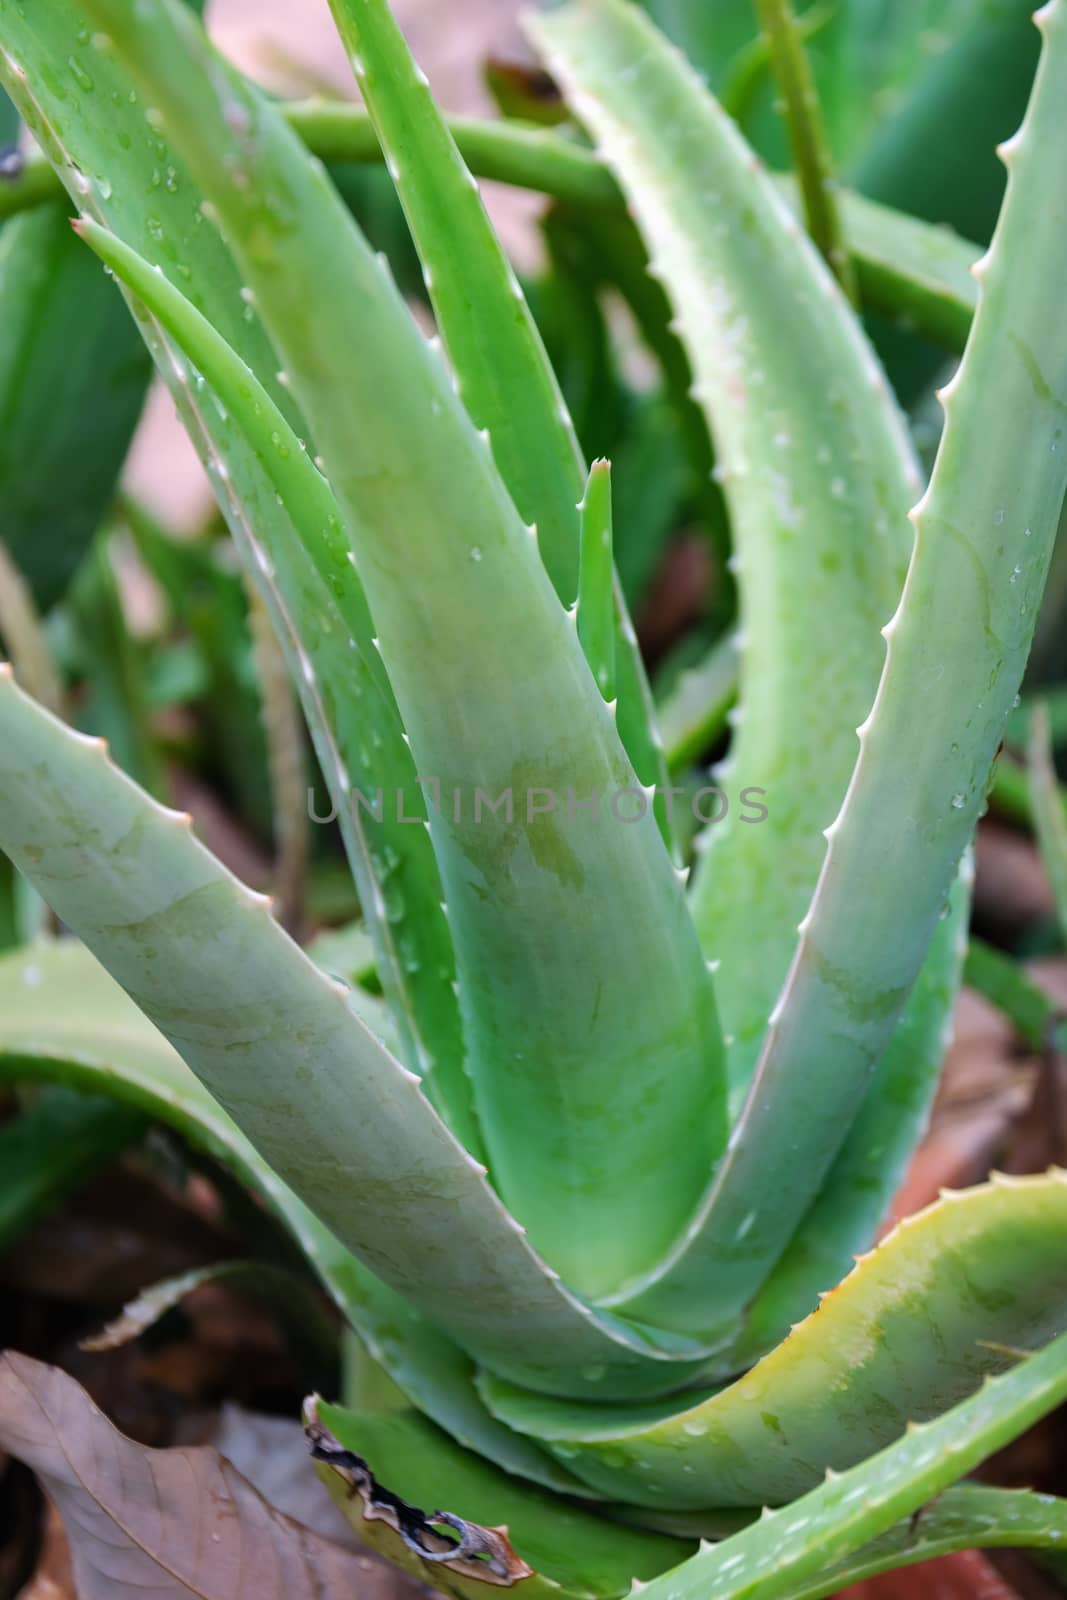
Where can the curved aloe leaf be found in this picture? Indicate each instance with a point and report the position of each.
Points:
(851, 975)
(818, 490)
(572, 1552)
(281, 1048)
(908, 1333)
(959, 641)
(64, 1021)
(775, 1557)
(414, 1460)
(858, 1190)
(819, 529)
(444, 557)
(502, 371)
(347, 696)
(140, 188)
(967, 1517)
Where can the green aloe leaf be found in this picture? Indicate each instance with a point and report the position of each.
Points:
(787, 1549)
(414, 1460)
(140, 188)
(858, 1189)
(818, 490)
(347, 696)
(64, 1021)
(444, 555)
(967, 1517)
(982, 575)
(281, 1048)
(836, 468)
(573, 1553)
(502, 372)
(909, 1332)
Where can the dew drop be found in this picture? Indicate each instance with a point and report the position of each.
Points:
(80, 76)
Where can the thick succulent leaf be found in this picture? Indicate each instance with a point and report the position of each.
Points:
(711, 40)
(179, 1524)
(958, 642)
(444, 555)
(279, 1045)
(502, 372)
(73, 375)
(858, 1190)
(569, 1549)
(787, 1549)
(347, 696)
(64, 1020)
(967, 1517)
(140, 188)
(818, 474)
(51, 1148)
(908, 1333)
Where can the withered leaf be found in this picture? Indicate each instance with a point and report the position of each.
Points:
(173, 1523)
(441, 1548)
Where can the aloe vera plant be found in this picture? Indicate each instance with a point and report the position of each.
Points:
(588, 1179)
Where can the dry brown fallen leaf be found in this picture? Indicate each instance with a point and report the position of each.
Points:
(174, 1523)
